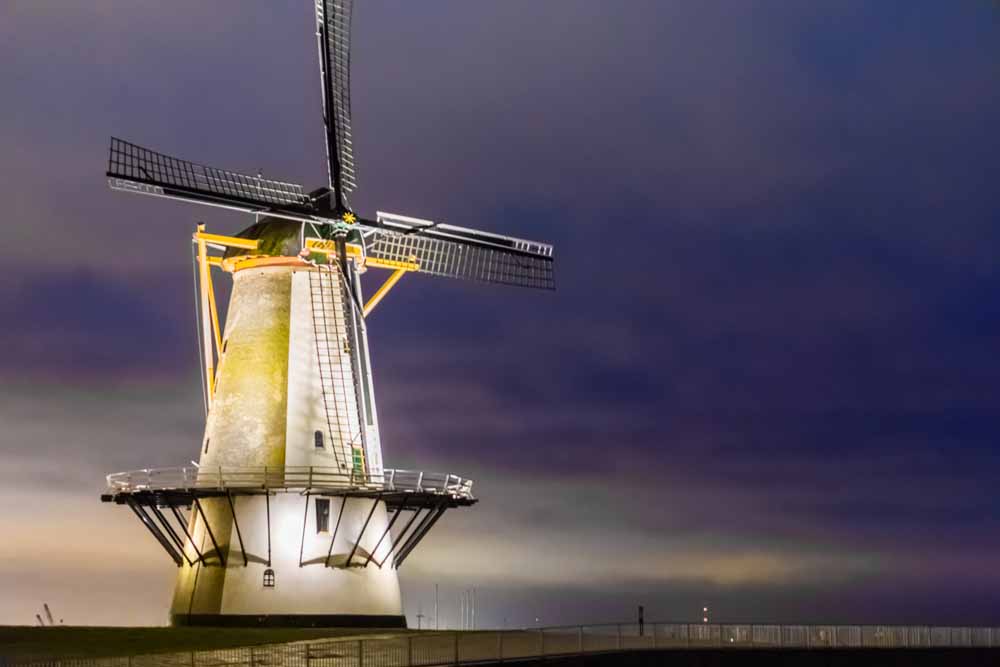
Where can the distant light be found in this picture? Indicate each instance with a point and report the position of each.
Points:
(705, 620)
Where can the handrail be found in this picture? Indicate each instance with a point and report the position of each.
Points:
(478, 647)
(318, 478)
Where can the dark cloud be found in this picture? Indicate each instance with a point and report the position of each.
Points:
(768, 368)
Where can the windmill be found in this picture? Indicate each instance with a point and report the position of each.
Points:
(289, 517)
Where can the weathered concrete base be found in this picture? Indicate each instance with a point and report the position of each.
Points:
(287, 621)
(938, 657)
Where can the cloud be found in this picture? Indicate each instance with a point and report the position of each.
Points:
(767, 371)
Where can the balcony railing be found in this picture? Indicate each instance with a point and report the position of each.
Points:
(289, 478)
(428, 648)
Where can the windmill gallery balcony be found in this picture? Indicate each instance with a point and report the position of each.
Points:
(316, 479)
(176, 503)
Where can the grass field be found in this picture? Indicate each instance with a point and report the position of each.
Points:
(26, 642)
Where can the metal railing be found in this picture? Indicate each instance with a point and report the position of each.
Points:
(431, 649)
(287, 478)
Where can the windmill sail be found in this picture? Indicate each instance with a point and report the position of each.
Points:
(136, 169)
(457, 252)
(333, 33)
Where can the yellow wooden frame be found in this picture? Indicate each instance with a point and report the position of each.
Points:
(389, 283)
(206, 299)
(211, 331)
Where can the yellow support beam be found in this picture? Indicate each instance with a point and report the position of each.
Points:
(215, 317)
(327, 247)
(214, 261)
(227, 241)
(394, 264)
(206, 334)
(389, 283)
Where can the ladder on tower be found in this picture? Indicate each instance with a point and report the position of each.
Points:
(334, 357)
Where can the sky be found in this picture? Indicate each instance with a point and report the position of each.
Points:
(767, 380)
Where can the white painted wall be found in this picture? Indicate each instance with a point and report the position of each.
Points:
(306, 410)
(245, 426)
(250, 425)
(312, 588)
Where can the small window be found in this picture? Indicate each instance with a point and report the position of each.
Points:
(322, 515)
(318, 439)
(268, 578)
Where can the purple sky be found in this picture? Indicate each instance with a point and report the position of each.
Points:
(767, 382)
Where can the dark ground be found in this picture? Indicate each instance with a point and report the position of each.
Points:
(24, 642)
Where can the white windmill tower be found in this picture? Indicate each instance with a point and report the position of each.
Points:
(290, 518)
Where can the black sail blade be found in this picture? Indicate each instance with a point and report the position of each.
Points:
(457, 252)
(333, 33)
(132, 168)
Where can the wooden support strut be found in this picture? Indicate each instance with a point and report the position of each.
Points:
(228, 241)
(357, 543)
(156, 532)
(239, 535)
(400, 539)
(187, 534)
(305, 519)
(169, 531)
(211, 535)
(377, 297)
(333, 538)
(371, 554)
(206, 331)
(216, 330)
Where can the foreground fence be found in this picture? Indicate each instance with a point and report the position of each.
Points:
(428, 649)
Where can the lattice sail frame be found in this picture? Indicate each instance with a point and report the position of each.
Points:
(436, 249)
(515, 262)
(132, 168)
(333, 35)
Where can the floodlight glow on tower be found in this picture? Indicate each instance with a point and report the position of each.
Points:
(290, 517)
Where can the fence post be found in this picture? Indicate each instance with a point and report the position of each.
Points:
(455, 635)
(307, 655)
(361, 642)
(579, 638)
(619, 636)
(192, 658)
(655, 643)
(499, 646)
(409, 651)
(541, 642)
